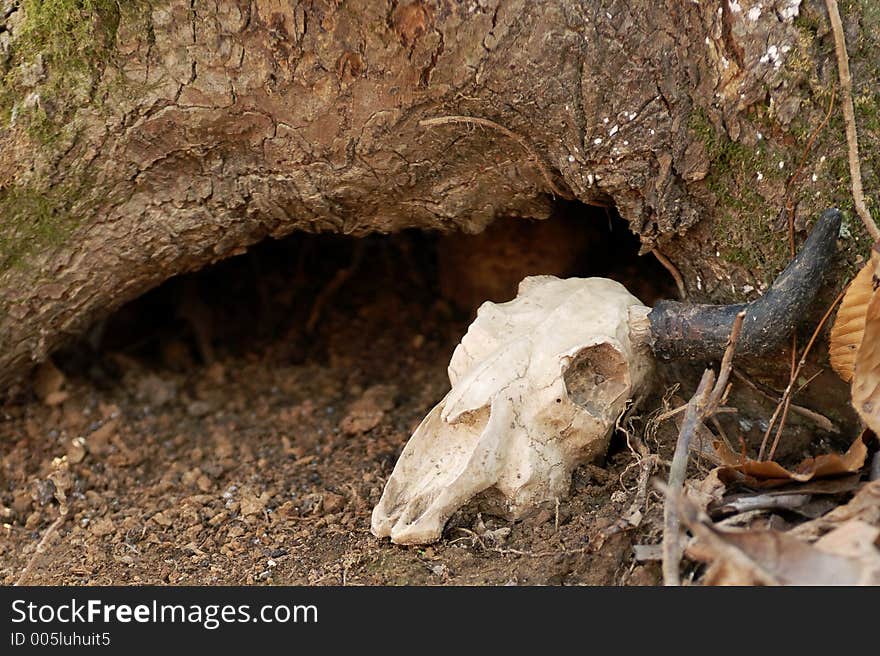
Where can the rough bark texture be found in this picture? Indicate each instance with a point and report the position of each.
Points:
(141, 142)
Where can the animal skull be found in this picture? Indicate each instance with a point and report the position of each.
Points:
(537, 385)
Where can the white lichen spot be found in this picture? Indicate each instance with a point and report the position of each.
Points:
(760, 176)
(772, 55)
(754, 13)
(613, 130)
(625, 142)
(605, 120)
(781, 165)
(571, 159)
(815, 177)
(725, 64)
(699, 284)
(790, 11)
(590, 179)
(747, 289)
(651, 132)
(734, 6)
(632, 116)
(760, 136)
(597, 141)
(822, 159)
(32, 100)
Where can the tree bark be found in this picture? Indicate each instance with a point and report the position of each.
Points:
(181, 131)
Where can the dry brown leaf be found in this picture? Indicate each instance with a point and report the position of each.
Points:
(812, 499)
(764, 473)
(706, 492)
(863, 507)
(866, 376)
(846, 556)
(849, 326)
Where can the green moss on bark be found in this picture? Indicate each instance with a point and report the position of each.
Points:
(826, 180)
(58, 52)
(746, 221)
(743, 226)
(33, 220)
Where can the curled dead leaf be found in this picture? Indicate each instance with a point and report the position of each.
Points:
(764, 473)
(849, 326)
(848, 555)
(863, 507)
(844, 557)
(866, 375)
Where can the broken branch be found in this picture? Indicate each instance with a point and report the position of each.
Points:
(702, 405)
(785, 401)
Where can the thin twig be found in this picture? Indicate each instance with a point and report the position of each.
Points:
(809, 380)
(476, 539)
(475, 120)
(785, 401)
(720, 390)
(820, 420)
(671, 413)
(701, 527)
(702, 405)
(41, 546)
(677, 473)
(538, 554)
(788, 208)
(721, 433)
(852, 139)
(674, 272)
(339, 279)
(723, 410)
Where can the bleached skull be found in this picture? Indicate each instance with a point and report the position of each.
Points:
(537, 385)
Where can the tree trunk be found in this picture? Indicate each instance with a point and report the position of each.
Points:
(144, 141)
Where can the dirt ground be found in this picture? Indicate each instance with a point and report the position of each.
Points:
(236, 426)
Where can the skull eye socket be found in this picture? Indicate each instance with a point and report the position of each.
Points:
(596, 377)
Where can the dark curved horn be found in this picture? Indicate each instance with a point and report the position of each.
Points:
(700, 332)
